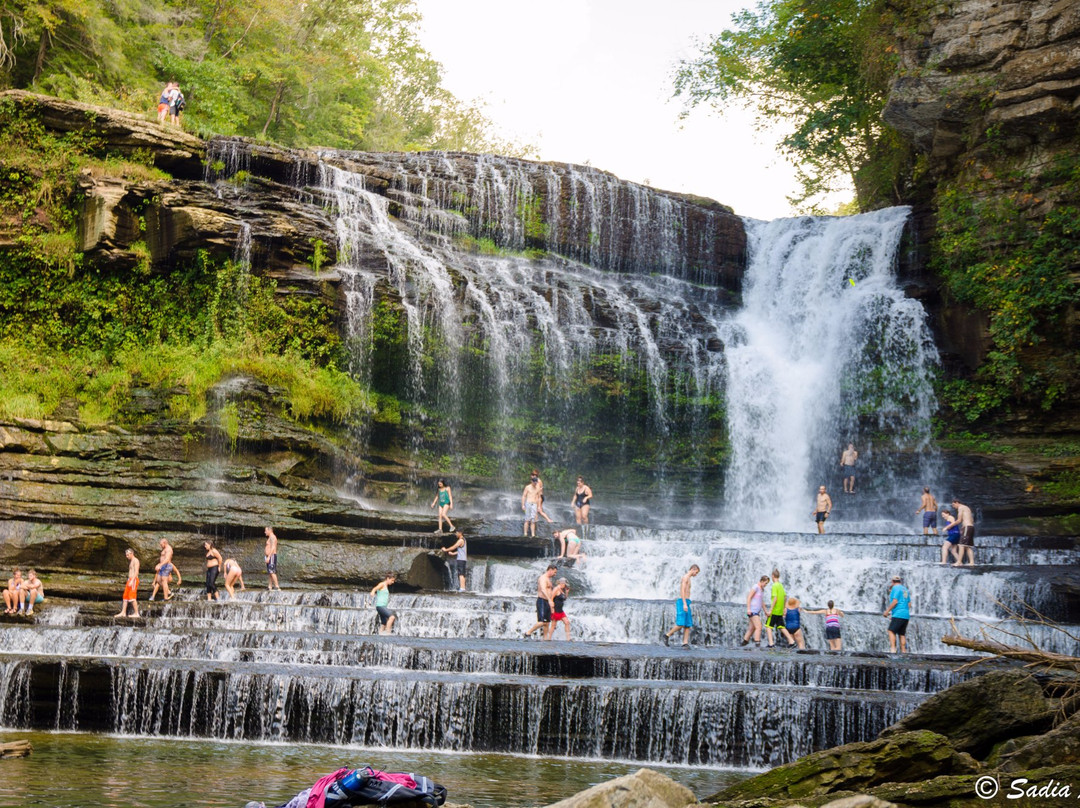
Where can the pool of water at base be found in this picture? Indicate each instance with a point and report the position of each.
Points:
(81, 770)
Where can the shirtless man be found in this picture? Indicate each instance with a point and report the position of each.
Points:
(271, 558)
(12, 601)
(684, 619)
(847, 467)
(33, 592)
(545, 603)
(530, 504)
(163, 571)
(540, 509)
(967, 534)
(928, 509)
(822, 508)
(131, 589)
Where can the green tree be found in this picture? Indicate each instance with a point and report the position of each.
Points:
(820, 69)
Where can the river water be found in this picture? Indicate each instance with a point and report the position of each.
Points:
(80, 770)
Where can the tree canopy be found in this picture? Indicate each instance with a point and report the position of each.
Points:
(819, 69)
(338, 73)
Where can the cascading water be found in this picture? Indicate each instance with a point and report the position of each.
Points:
(501, 349)
(826, 350)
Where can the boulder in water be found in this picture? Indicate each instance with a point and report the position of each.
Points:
(644, 788)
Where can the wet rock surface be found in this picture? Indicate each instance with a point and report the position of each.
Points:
(1010, 728)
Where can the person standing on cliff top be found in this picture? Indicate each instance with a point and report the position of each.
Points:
(684, 617)
(822, 508)
(967, 534)
(270, 552)
(163, 571)
(928, 509)
(847, 468)
(163, 102)
(131, 589)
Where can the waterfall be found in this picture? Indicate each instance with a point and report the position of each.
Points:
(826, 350)
(500, 349)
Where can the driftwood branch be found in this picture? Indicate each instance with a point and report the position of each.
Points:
(1029, 656)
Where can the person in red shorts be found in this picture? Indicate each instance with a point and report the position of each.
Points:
(131, 589)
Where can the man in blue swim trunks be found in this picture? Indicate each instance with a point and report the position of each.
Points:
(163, 571)
(684, 619)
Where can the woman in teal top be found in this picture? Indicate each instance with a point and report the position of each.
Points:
(444, 498)
(381, 593)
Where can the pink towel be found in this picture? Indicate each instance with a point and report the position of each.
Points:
(400, 778)
(317, 797)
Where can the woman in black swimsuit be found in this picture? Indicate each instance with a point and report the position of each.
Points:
(213, 566)
(581, 500)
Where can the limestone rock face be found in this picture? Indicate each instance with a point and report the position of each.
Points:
(1022, 56)
(644, 788)
(1060, 746)
(981, 711)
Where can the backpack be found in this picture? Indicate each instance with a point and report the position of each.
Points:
(368, 786)
(180, 103)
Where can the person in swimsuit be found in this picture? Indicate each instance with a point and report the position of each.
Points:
(753, 611)
(270, 552)
(131, 588)
(12, 599)
(928, 509)
(444, 498)
(847, 468)
(530, 504)
(822, 508)
(540, 506)
(233, 576)
(569, 544)
(213, 567)
(793, 622)
(684, 618)
(967, 534)
(582, 502)
(163, 571)
(545, 603)
(952, 538)
(460, 564)
(381, 593)
(832, 625)
(33, 592)
(558, 608)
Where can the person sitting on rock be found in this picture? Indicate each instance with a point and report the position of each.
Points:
(33, 592)
(12, 601)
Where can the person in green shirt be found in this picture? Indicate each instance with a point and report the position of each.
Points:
(777, 602)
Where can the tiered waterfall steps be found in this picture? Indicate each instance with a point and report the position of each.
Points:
(306, 664)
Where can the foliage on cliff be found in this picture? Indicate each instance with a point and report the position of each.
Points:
(820, 70)
(1014, 257)
(79, 335)
(340, 73)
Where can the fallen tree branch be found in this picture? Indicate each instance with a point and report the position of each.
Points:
(1030, 656)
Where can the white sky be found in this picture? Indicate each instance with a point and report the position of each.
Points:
(590, 81)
